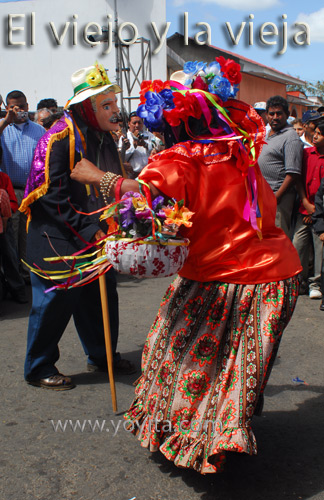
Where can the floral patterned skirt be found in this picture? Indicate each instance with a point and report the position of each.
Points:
(205, 363)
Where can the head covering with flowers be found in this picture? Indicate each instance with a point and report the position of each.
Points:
(88, 82)
(175, 100)
(208, 90)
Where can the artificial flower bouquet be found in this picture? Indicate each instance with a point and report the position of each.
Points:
(180, 98)
(143, 236)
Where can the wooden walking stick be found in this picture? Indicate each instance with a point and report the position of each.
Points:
(106, 325)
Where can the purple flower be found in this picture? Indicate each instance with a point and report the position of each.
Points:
(143, 214)
(157, 204)
(131, 194)
(157, 201)
(161, 214)
(127, 218)
(126, 205)
(126, 209)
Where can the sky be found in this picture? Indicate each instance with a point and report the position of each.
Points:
(303, 61)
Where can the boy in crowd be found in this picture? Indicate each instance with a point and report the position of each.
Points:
(298, 126)
(309, 120)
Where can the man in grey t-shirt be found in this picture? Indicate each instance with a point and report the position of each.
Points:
(281, 160)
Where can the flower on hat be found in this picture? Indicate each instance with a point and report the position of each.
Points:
(230, 69)
(220, 77)
(193, 67)
(200, 83)
(184, 106)
(154, 103)
(152, 86)
(221, 86)
(97, 76)
(158, 101)
(152, 111)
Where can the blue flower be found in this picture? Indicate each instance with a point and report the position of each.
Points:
(213, 69)
(153, 99)
(152, 111)
(201, 66)
(220, 86)
(235, 89)
(190, 67)
(167, 97)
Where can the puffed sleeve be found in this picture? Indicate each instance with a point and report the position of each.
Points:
(174, 177)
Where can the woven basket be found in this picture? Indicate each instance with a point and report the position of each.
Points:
(147, 258)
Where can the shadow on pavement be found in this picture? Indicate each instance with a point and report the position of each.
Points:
(289, 464)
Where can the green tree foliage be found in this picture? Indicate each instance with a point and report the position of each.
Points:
(309, 88)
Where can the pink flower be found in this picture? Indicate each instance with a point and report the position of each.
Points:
(199, 83)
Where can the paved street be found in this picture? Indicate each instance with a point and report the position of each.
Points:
(39, 460)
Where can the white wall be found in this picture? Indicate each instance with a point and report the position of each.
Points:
(42, 68)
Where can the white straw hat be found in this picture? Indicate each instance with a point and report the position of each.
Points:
(260, 106)
(90, 81)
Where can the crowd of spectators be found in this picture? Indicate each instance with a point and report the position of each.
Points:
(292, 163)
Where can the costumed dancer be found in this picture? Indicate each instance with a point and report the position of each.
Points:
(211, 348)
(58, 224)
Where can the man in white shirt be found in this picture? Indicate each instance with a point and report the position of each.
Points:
(137, 146)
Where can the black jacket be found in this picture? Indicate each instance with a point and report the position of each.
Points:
(55, 221)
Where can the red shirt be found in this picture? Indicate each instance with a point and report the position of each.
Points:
(6, 184)
(223, 246)
(312, 173)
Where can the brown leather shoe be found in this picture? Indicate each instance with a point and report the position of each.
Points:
(121, 367)
(57, 382)
(124, 367)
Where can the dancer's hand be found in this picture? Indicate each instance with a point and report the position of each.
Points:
(86, 172)
(98, 236)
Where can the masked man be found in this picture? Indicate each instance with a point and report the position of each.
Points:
(53, 203)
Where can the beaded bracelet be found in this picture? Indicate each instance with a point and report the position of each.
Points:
(107, 184)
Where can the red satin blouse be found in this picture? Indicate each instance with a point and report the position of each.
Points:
(223, 246)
